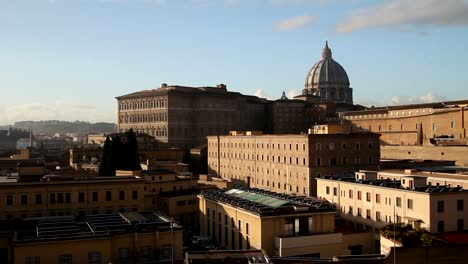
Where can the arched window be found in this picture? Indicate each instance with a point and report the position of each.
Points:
(402, 127)
(452, 124)
(390, 128)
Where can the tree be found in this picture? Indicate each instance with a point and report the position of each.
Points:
(106, 166)
(132, 158)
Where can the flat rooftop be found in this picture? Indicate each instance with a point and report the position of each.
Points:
(63, 179)
(40, 229)
(264, 202)
(227, 256)
(388, 183)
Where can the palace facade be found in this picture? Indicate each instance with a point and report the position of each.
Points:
(182, 116)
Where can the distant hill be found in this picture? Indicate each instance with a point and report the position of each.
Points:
(62, 127)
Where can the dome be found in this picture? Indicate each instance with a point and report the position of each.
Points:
(328, 79)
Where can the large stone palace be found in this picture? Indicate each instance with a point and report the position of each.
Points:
(182, 116)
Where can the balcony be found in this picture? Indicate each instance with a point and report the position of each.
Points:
(299, 245)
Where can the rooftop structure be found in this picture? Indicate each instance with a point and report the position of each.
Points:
(371, 201)
(250, 256)
(280, 224)
(264, 202)
(41, 229)
(127, 237)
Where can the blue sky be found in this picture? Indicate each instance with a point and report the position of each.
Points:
(69, 59)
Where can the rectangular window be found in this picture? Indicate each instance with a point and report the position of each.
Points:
(460, 224)
(65, 259)
(410, 203)
(67, 197)
(350, 193)
(135, 195)
(247, 229)
(398, 201)
(327, 190)
(368, 196)
(359, 195)
(377, 198)
(368, 213)
(52, 198)
(121, 195)
(377, 216)
(24, 199)
(60, 198)
(33, 260)
(124, 255)
(335, 191)
(181, 203)
(440, 206)
(94, 257)
(359, 211)
(350, 210)
(95, 196)
(460, 205)
(81, 197)
(440, 226)
(108, 196)
(38, 198)
(9, 199)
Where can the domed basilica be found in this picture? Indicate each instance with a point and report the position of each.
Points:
(328, 80)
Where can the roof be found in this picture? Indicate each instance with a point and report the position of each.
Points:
(326, 71)
(166, 89)
(385, 109)
(40, 229)
(387, 183)
(258, 197)
(227, 256)
(267, 203)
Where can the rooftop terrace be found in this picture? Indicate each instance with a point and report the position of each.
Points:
(264, 202)
(100, 225)
(388, 183)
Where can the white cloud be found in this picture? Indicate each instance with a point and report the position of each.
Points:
(429, 97)
(294, 22)
(407, 15)
(260, 93)
(291, 93)
(60, 110)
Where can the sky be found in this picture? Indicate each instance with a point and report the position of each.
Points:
(69, 59)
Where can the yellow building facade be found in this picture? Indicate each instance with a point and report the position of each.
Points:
(372, 202)
(278, 224)
(73, 196)
(131, 237)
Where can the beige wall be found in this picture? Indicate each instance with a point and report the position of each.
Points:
(268, 232)
(424, 205)
(290, 163)
(412, 126)
(31, 208)
(49, 252)
(459, 154)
